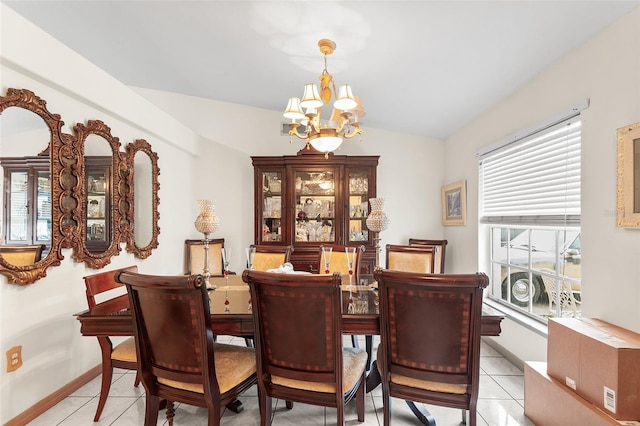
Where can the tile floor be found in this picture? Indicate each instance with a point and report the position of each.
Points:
(500, 403)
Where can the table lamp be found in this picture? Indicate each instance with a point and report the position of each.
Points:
(377, 221)
(207, 222)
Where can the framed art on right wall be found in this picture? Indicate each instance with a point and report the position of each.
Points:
(628, 188)
(454, 204)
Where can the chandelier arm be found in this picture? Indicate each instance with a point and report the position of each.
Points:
(294, 132)
(356, 131)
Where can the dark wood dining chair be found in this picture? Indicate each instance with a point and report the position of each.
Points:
(440, 247)
(178, 358)
(270, 257)
(194, 257)
(338, 262)
(298, 335)
(430, 339)
(123, 355)
(410, 258)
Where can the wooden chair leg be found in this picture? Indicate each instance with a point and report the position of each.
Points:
(152, 405)
(137, 381)
(360, 398)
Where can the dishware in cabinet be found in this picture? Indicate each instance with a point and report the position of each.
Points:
(271, 213)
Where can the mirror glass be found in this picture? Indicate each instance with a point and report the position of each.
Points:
(142, 198)
(35, 155)
(98, 165)
(143, 204)
(27, 195)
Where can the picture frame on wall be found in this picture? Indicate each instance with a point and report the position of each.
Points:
(628, 183)
(454, 204)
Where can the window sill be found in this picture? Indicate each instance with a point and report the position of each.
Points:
(526, 321)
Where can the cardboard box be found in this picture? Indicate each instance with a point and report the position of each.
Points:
(548, 402)
(598, 360)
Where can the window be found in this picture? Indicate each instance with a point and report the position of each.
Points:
(530, 220)
(27, 206)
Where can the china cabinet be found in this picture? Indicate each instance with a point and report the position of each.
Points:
(98, 211)
(307, 200)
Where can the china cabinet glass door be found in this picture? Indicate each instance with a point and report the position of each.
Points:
(272, 206)
(98, 220)
(315, 206)
(358, 205)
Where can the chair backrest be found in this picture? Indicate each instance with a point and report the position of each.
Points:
(338, 262)
(567, 299)
(270, 257)
(298, 329)
(172, 330)
(411, 258)
(20, 255)
(194, 256)
(102, 282)
(440, 251)
(430, 330)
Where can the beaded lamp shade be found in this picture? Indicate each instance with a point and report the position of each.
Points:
(377, 220)
(207, 222)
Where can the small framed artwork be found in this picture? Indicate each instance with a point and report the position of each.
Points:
(628, 185)
(454, 204)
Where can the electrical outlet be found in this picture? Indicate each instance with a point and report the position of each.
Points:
(14, 358)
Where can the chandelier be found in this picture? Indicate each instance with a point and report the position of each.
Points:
(343, 123)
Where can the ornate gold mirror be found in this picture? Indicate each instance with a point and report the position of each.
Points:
(100, 228)
(628, 191)
(40, 166)
(142, 194)
(77, 192)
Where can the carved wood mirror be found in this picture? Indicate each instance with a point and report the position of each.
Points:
(142, 187)
(70, 191)
(40, 208)
(100, 227)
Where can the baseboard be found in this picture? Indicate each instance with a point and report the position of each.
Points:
(44, 404)
(505, 353)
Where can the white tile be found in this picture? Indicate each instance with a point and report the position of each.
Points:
(514, 385)
(491, 365)
(112, 410)
(60, 411)
(506, 412)
(490, 389)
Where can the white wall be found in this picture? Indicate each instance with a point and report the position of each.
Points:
(606, 69)
(204, 150)
(409, 173)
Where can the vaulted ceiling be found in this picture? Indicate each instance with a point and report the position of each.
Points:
(420, 67)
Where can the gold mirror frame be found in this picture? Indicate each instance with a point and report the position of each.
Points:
(81, 252)
(65, 178)
(68, 192)
(128, 172)
(628, 188)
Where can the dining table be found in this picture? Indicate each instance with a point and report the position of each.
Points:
(231, 315)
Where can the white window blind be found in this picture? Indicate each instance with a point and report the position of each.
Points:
(535, 179)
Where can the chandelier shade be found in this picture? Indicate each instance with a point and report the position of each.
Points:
(293, 110)
(325, 135)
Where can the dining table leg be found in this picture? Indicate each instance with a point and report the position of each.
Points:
(425, 417)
